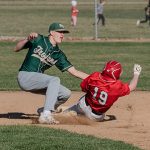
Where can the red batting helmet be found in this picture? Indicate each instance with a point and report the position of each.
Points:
(112, 69)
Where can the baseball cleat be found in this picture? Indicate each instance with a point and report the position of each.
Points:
(47, 119)
(40, 110)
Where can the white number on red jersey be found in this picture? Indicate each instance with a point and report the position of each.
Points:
(103, 96)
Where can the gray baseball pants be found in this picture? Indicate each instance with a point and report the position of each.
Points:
(55, 93)
(81, 108)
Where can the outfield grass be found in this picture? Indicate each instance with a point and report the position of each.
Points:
(85, 56)
(19, 18)
(36, 138)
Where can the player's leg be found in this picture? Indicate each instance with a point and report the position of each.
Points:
(146, 19)
(103, 20)
(74, 18)
(50, 101)
(149, 20)
(56, 94)
(98, 18)
(32, 81)
(86, 109)
(138, 22)
(81, 108)
(63, 95)
(74, 108)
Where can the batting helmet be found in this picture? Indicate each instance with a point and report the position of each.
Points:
(112, 69)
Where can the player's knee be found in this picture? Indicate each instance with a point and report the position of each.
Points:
(56, 79)
(67, 94)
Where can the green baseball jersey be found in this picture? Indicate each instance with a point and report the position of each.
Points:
(42, 55)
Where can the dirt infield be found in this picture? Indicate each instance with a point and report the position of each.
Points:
(128, 120)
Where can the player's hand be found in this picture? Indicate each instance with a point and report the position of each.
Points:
(137, 69)
(32, 36)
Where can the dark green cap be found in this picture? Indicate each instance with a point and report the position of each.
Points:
(57, 27)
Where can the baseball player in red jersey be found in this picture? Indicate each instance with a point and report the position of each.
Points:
(74, 13)
(103, 89)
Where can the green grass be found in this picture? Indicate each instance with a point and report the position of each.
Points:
(37, 138)
(85, 56)
(19, 18)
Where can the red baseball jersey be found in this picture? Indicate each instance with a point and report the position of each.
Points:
(101, 93)
(74, 11)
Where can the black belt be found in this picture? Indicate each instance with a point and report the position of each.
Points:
(93, 111)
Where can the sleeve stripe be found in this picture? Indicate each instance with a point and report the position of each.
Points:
(66, 68)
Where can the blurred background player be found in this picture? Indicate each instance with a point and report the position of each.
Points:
(103, 89)
(100, 10)
(147, 16)
(74, 13)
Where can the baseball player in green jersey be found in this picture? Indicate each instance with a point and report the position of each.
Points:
(43, 53)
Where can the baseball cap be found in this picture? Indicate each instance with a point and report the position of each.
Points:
(57, 27)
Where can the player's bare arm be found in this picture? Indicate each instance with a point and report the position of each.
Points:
(21, 43)
(136, 73)
(77, 73)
